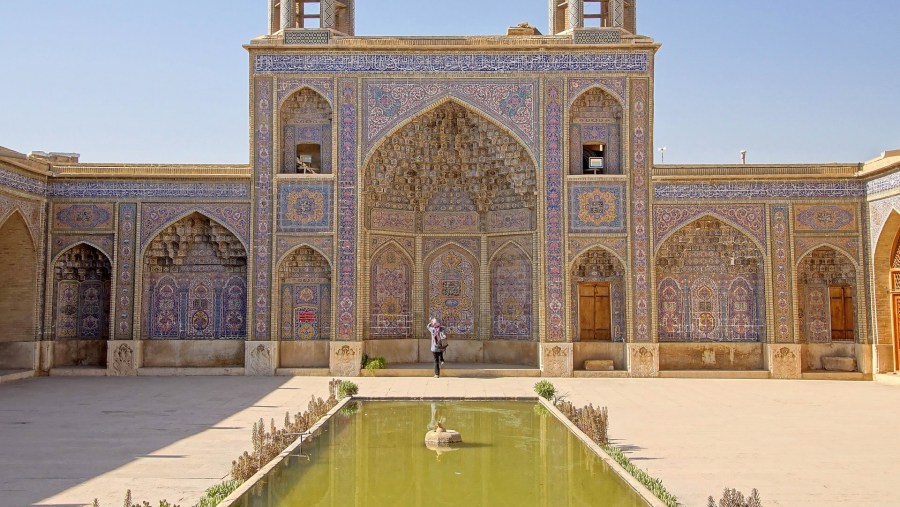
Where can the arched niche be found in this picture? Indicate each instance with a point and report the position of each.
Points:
(827, 295)
(710, 285)
(18, 298)
(306, 132)
(598, 296)
(886, 290)
(452, 290)
(195, 282)
(82, 276)
(391, 294)
(595, 134)
(304, 284)
(511, 294)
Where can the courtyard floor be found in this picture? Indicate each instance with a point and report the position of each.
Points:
(65, 441)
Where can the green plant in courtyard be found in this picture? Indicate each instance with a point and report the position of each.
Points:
(545, 389)
(652, 483)
(347, 388)
(364, 360)
(375, 363)
(217, 493)
(734, 498)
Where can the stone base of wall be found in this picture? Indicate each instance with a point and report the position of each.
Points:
(69, 353)
(814, 352)
(303, 354)
(18, 355)
(557, 359)
(193, 353)
(785, 361)
(586, 351)
(711, 356)
(884, 355)
(643, 359)
(344, 358)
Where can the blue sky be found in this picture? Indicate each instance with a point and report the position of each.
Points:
(791, 81)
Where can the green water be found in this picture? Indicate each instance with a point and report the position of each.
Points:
(512, 455)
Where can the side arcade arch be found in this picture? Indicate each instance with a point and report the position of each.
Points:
(194, 283)
(304, 301)
(710, 298)
(18, 299)
(81, 306)
(886, 291)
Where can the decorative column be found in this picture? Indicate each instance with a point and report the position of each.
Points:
(261, 361)
(346, 350)
(287, 14)
(351, 17)
(644, 356)
(576, 14)
(556, 354)
(617, 13)
(328, 12)
(124, 347)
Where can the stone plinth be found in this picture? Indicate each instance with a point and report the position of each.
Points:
(557, 360)
(123, 358)
(442, 437)
(644, 359)
(345, 358)
(839, 363)
(785, 362)
(599, 365)
(261, 358)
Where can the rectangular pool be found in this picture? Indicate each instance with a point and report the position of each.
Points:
(513, 453)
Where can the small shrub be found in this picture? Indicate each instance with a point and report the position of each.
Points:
(652, 483)
(375, 363)
(347, 388)
(734, 498)
(217, 493)
(545, 389)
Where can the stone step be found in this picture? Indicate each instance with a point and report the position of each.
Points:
(715, 374)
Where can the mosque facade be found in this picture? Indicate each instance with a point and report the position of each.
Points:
(503, 184)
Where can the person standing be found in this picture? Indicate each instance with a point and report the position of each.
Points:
(437, 347)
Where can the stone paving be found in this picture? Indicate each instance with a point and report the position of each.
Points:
(65, 441)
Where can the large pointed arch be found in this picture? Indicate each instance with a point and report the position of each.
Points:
(726, 303)
(187, 269)
(18, 270)
(886, 294)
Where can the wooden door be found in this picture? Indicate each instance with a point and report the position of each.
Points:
(841, 302)
(594, 316)
(896, 308)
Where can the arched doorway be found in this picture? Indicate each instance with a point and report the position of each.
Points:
(305, 119)
(305, 299)
(597, 279)
(710, 280)
(195, 288)
(885, 289)
(449, 190)
(827, 300)
(18, 299)
(81, 307)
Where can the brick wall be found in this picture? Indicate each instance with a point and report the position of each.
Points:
(17, 271)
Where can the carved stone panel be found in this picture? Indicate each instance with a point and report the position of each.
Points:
(644, 359)
(260, 360)
(558, 359)
(123, 358)
(785, 362)
(345, 359)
